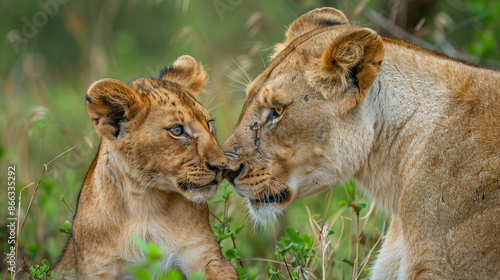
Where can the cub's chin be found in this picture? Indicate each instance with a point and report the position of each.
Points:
(199, 194)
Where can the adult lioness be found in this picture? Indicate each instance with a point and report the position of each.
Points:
(420, 131)
(158, 162)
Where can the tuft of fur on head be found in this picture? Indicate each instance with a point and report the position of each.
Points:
(187, 72)
(315, 19)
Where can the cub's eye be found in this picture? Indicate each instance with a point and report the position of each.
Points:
(177, 131)
(277, 111)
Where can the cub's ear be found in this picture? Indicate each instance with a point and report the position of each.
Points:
(111, 104)
(315, 19)
(349, 66)
(187, 72)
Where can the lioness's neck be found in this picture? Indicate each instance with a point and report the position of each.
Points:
(408, 101)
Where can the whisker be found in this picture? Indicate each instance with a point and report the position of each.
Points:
(263, 61)
(291, 31)
(215, 107)
(243, 70)
(212, 99)
(245, 84)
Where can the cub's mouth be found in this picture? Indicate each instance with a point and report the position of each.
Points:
(190, 186)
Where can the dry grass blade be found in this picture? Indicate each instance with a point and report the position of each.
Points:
(367, 258)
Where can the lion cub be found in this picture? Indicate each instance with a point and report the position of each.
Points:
(157, 165)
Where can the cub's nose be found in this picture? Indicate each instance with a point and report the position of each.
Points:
(215, 167)
(232, 174)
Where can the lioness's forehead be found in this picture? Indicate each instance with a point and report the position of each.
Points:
(294, 57)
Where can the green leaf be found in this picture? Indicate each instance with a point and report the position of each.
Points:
(139, 272)
(284, 250)
(154, 252)
(330, 232)
(232, 254)
(140, 243)
(348, 262)
(241, 273)
(308, 240)
(272, 271)
(342, 202)
(67, 225)
(44, 125)
(285, 242)
(173, 274)
(356, 206)
(292, 234)
(223, 236)
(239, 228)
(46, 263)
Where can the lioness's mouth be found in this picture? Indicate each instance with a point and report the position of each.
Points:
(193, 187)
(277, 198)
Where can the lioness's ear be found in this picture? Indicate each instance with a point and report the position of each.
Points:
(350, 65)
(315, 19)
(187, 72)
(111, 104)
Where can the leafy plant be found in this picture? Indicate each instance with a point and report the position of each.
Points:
(67, 227)
(149, 268)
(222, 230)
(43, 272)
(296, 251)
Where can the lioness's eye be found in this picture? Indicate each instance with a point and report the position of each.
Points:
(278, 111)
(177, 131)
(211, 128)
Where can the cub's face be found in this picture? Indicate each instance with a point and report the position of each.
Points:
(158, 133)
(303, 128)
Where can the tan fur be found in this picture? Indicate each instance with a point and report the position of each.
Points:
(419, 131)
(145, 181)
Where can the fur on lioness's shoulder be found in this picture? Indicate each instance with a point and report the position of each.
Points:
(157, 165)
(418, 130)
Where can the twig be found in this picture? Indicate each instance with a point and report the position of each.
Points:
(67, 205)
(287, 269)
(215, 216)
(42, 177)
(263, 260)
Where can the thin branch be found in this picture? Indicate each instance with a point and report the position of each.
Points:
(263, 260)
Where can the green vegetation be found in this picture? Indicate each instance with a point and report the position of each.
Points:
(53, 50)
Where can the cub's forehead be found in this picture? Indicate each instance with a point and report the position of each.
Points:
(165, 95)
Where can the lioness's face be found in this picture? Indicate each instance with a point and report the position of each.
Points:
(160, 132)
(302, 128)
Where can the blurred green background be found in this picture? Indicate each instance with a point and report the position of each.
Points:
(52, 50)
